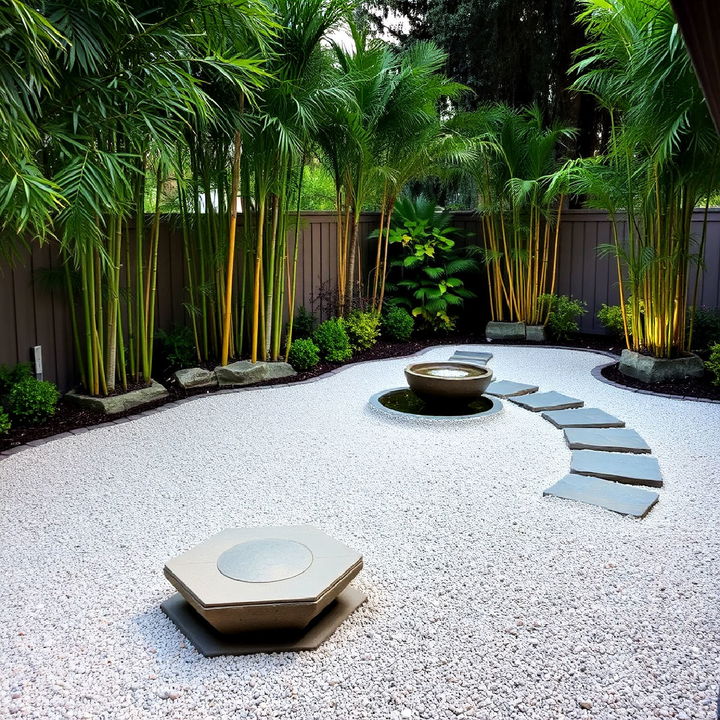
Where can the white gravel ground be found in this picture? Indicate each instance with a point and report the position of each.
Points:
(486, 599)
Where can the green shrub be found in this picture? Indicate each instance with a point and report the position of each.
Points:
(304, 354)
(713, 363)
(4, 422)
(363, 329)
(706, 327)
(304, 323)
(333, 341)
(564, 314)
(397, 324)
(177, 348)
(12, 374)
(611, 318)
(32, 401)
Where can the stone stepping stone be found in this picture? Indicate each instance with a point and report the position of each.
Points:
(621, 467)
(613, 496)
(508, 388)
(583, 418)
(622, 440)
(547, 401)
(467, 356)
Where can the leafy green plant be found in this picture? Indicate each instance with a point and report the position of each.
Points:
(13, 374)
(397, 324)
(713, 363)
(5, 424)
(31, 401)
(177, 348)
(363, 329)
(611, 318)
(304, 354)
(428, 264)
(333, 341)
(563, 314)
(304, 323)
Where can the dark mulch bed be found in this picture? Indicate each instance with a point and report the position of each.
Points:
(69, 417)
(701, 388)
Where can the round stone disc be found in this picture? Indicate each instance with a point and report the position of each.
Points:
(268, 560)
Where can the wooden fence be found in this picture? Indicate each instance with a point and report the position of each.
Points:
(33, 312)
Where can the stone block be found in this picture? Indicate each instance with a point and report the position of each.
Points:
(508, 388)
(621, 467)
(613, 496)
(195, 377)
(535, 333)
(505, 331)
(649, 369)
(608, 439)
(582, 418)
(547, 401)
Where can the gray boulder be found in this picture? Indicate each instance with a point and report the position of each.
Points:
(195, 377)
(245, 372)
(119, 403)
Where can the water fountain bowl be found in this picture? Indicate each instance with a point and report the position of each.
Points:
(448, 382)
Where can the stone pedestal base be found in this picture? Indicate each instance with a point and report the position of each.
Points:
(211, 643)
(649, 369)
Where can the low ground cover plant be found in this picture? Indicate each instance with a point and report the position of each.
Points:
(304, 354)
(332, 340)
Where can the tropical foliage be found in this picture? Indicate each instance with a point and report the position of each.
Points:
(663, 161)
(428, 263)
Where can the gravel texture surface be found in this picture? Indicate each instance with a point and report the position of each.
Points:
(486, 600)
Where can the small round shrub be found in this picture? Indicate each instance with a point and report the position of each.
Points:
(333, 341)
(363, 329)
(713, 363)
(611, 318)
(32, 401)
(397, 324)
(4, 422)
(12, 374)
(564, 314)
(304, 354)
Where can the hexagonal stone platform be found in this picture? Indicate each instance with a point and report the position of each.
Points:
(468, 356)
(508, 388)
(547, 401)
(611, 439)
(246, 583)
(605, 494)
(582, 418)
(621, 467)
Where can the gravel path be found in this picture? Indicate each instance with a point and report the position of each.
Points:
(486, 600)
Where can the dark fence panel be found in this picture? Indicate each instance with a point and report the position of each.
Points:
(33, 304)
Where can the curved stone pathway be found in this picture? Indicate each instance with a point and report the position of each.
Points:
(608, 461)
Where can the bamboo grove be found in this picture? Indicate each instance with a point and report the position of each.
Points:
(662, 163)
(521, 185)
(206, 111)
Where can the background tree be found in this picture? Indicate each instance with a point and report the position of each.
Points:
(511, 51)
